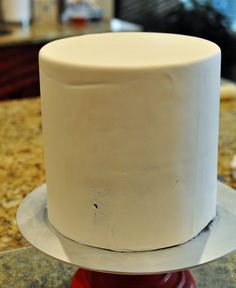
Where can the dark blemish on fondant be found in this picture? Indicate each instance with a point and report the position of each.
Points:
(207, 228)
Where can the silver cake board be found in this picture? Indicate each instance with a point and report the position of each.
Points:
(216, 241)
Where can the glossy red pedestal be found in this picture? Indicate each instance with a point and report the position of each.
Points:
(90, 279)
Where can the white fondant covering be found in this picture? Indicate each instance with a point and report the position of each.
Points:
(130, 124)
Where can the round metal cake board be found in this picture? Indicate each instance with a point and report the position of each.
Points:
(216, 241)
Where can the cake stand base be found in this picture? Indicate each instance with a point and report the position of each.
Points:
(90, 279)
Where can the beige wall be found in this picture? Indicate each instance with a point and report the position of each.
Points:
(108, 7)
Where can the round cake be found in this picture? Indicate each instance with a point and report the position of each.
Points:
(130, 124)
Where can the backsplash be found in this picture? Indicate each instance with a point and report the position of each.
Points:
(45, 10)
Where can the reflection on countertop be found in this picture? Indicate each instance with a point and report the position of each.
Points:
(45, 32)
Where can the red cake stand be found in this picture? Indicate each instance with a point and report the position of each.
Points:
(90, 279)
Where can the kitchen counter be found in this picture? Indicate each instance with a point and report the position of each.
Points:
(21, 163)
(44, 32)
(22, 169)
(29, 268)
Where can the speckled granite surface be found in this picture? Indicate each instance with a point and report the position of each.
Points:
(21, 163)
(227, 140)
(29, 268)
(22, 169)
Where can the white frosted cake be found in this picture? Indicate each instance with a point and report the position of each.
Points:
(130, 124)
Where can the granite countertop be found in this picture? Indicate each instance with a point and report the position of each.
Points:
(29, 268)
(45, 32)
(22, 169)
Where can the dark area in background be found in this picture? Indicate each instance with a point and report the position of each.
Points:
(19, 63)
(170, 16)
(19, 71)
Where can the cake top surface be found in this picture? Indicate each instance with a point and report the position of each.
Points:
(128, 50)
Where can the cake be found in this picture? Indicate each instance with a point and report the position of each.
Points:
(130, 125)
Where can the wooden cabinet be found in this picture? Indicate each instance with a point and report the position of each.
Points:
(19, 75)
